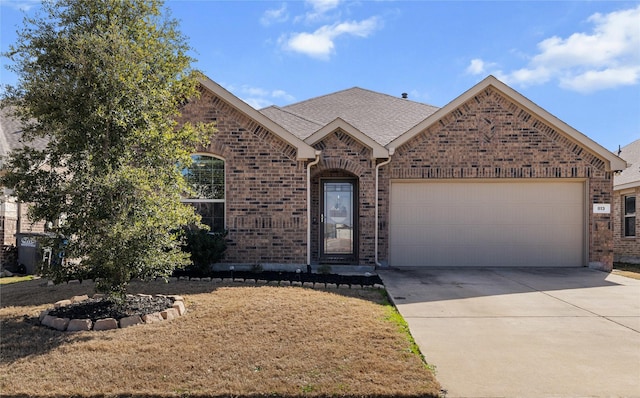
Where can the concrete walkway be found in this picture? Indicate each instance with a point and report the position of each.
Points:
(543, 332)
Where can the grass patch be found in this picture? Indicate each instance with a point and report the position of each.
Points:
(236, 340)
(402, 326)
(628, 270)
(15, 279)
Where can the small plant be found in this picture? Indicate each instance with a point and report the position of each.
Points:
(324, 269)
(257, 268)
(206, 248)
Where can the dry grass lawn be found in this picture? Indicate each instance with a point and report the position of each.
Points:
(236, 340)
(628, 270)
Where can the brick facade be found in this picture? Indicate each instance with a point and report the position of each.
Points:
(487, 137)
(626, 249)
(491, 137)
(487, 134)
(265, 186)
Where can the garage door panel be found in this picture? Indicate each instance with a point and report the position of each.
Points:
(487, 224)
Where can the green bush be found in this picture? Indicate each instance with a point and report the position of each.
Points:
(205, 247)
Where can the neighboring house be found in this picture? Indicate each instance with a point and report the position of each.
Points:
(626, 203)
(362, 178)
(13, 215)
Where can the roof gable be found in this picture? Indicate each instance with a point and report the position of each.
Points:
(613, 162)
(11, 134)
(377, 150)
(630, 177)
(304, 151)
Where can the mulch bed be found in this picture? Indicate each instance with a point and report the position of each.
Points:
(290, 277)
(105, 307)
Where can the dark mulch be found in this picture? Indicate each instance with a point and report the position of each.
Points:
(304, 278)
(101, 308)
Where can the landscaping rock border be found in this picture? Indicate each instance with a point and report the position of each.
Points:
(177, 309)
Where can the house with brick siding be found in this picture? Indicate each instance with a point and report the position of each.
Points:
(362, 178)
(365, 179)
(626, 191)
(13, 214)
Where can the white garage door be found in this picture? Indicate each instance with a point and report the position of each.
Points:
(487, 224)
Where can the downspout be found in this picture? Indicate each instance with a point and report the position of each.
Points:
(315, 162)
(391, 151)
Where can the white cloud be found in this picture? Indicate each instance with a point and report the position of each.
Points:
(278, 15)
(282, 95)
(320, 44)
(601, 80)
(21, 5)
(607, 57)
(319, 9)
(257, 103)
(259, 97)
(322, 6)
(476, 67)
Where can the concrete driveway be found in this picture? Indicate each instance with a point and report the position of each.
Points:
(509, 332)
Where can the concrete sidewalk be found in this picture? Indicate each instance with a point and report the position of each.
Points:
(543, 332)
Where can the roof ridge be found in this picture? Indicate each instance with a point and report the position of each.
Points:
(396, 98)
(320, 96)
(294, 114)
(362, 89)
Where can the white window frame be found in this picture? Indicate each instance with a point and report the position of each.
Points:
(224, 200)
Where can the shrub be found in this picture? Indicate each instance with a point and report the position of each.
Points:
(205, 247)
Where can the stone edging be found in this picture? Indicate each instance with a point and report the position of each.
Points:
(72, 325)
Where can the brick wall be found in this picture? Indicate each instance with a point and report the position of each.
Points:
(625, 249)
(490, 137)
(265, 186)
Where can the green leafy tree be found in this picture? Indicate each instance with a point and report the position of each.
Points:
(103, 81)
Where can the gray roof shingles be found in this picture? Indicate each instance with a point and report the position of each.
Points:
(11, 134)
(631, 154)
(380, 116)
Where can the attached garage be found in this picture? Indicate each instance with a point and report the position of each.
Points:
(494, 223)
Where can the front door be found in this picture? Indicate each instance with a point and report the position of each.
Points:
(338, 221)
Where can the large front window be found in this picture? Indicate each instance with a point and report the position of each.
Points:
(629, 216)
(206, 177)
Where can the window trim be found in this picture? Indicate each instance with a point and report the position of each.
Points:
(223, 201)
(626, 216)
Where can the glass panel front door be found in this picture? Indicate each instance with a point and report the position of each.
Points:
(338, 221)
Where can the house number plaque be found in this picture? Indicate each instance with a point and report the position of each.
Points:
(601, 208)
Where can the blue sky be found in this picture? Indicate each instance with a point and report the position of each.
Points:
(578, 60)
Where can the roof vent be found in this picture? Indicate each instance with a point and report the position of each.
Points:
(405, 95)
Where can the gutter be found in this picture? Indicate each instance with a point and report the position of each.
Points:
(315, 162)
(391, 152)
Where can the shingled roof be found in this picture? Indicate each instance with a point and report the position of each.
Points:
(379, 116)
(11, 134)
(629, 177)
